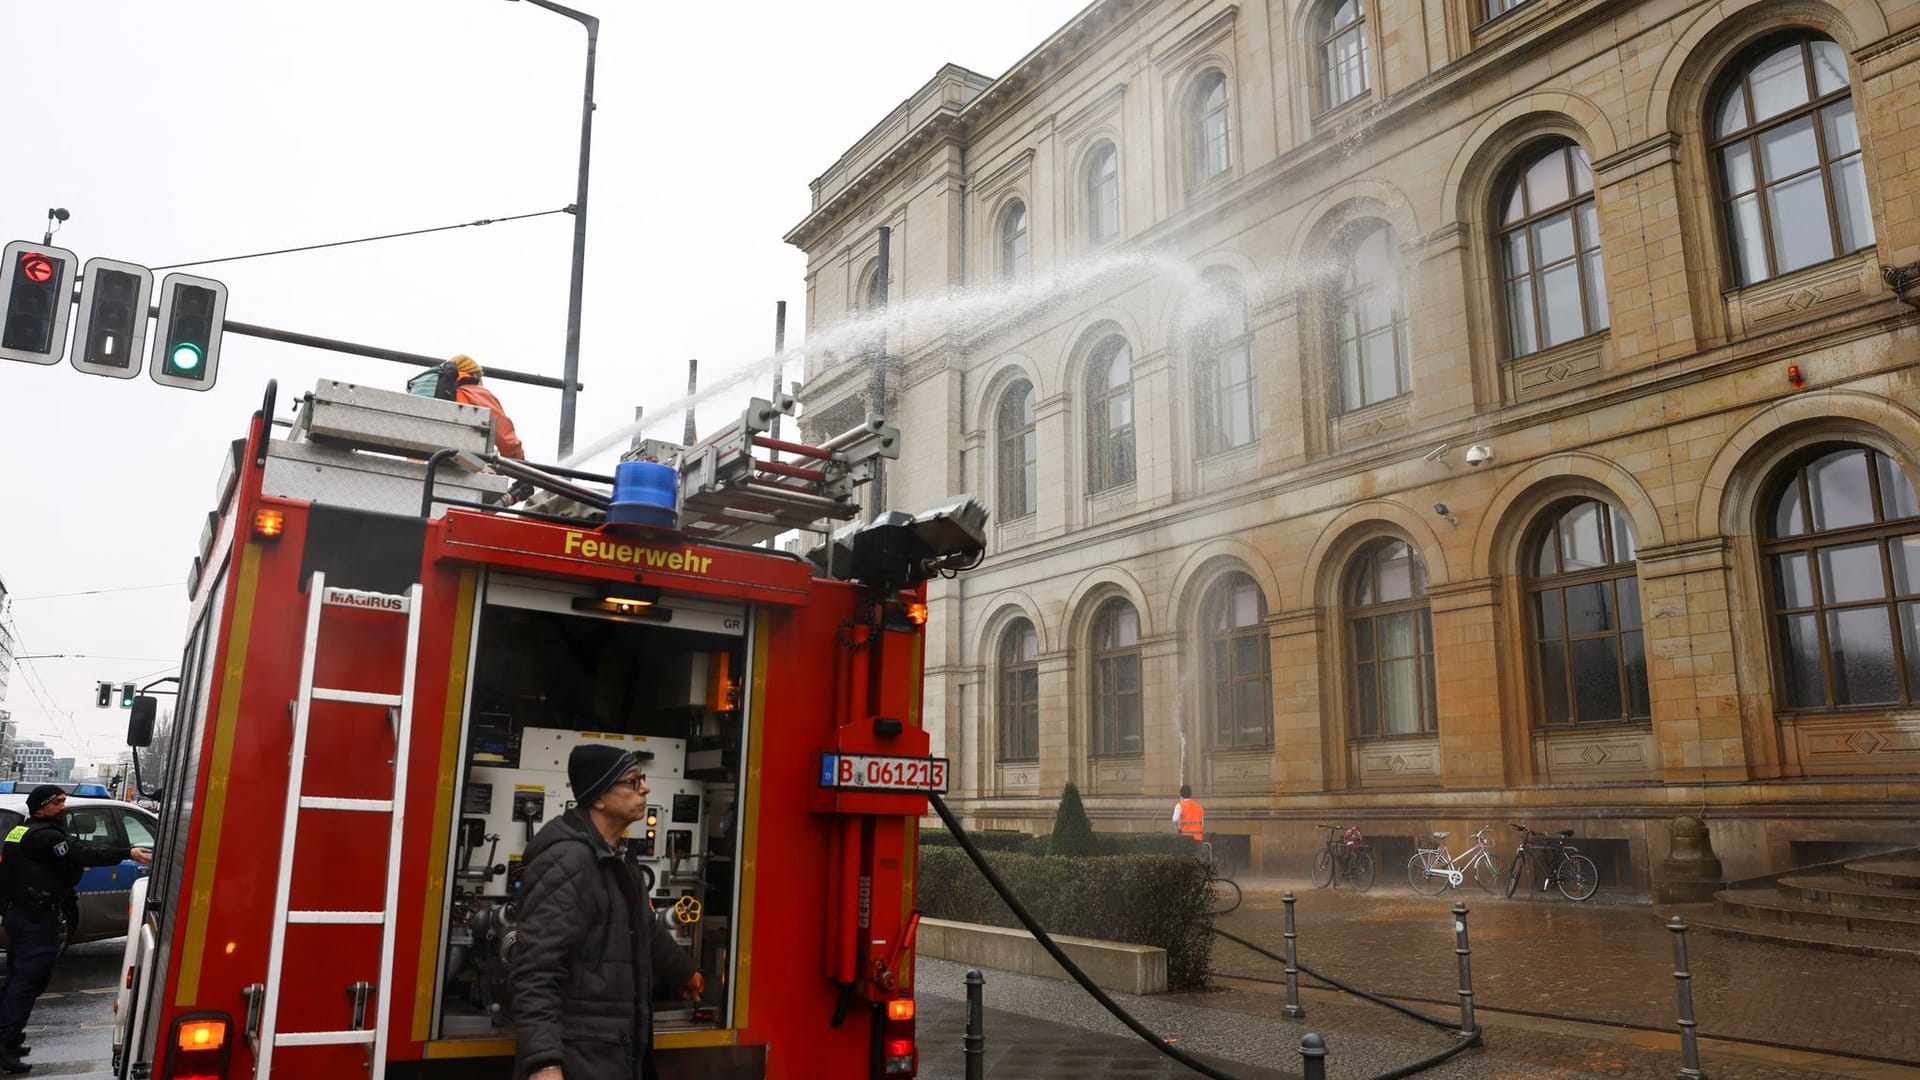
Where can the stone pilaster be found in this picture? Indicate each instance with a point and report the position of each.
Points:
(1473, 745)
(1697, 724)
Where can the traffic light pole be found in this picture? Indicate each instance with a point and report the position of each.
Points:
(571, 373)
(375, 352)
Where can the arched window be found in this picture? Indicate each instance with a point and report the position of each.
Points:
(1793, 186)
(1117, 709)
(1208, 155)
(1103, 194)
(1842, 549)
(1370, 320)
(1390, 634)
(1018, 444)
(1550, 249)
(1110, 415)
(1583, 599)
(1343, 51)
(1019, 664)
(1013, 242)
(1223, 369)
(873, 289)
(1239, 661)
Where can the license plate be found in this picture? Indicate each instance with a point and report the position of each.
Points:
(870, 772)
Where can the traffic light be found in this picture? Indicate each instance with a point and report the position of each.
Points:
(36, 283)
(127, 693)
(112, 327)
(102, 695)
(186, 339)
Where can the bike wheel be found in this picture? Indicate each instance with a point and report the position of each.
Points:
(1323, 869)
(1426, 872)
(1486, 874)
(1579, 878)
(1513, 875)
(1226, 895)
(1360, 870)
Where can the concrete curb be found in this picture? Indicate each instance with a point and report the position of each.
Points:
(1112, 965)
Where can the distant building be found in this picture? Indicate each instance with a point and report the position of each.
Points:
(33, 761)
(1421, 416)
(62, 770)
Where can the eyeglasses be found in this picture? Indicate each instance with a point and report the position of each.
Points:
(633, 781)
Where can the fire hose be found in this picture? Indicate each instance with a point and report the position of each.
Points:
(1132, 1024)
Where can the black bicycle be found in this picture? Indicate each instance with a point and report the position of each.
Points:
(1226, 891)
(1345, 855)
(1555, 863)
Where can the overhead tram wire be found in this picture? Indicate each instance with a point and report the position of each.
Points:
(98, 592)
(365, 239)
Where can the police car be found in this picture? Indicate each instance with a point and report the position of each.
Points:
(103, 890)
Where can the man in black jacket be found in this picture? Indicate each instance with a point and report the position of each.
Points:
(39, 866)
(589, 949)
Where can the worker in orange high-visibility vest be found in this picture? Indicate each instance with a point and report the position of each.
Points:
(469, 391)
(1189, 816)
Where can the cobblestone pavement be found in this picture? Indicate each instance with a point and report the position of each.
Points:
(1598, 961)
(1046, 1029)
(1564, 990)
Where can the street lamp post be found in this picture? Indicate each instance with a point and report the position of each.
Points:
(571, 376)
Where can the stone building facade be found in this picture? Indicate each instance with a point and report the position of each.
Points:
(1419, 415)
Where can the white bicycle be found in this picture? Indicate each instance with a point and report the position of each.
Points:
(1435, 868)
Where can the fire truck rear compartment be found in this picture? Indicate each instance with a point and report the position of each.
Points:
(554, 666)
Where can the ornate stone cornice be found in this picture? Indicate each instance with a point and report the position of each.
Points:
(954, 122)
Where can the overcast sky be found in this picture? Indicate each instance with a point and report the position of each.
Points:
(193, 129)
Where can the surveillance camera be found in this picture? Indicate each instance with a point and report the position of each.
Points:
(1478, 455)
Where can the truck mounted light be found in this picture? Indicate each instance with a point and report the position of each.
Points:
(203, 1035)
(200, 1047)
(897, 1054)
(268, 524)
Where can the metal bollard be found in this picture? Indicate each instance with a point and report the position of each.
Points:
(973, 1045)
(1292, 1007)
(1468, 1029)
(1313, 1057)
(1683, 990)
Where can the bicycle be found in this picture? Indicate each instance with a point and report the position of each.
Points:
(1347, 851)
(1226, 892)
(1433, 869)
(1575, 875)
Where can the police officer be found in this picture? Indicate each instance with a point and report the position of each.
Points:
(39, 866)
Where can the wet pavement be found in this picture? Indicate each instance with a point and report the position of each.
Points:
(1561, 989)
(1596, 961)
(71, 1030)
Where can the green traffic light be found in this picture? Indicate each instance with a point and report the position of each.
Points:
(186, 356)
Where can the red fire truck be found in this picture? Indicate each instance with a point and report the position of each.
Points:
(396, 639)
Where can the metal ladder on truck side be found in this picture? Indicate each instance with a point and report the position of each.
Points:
(399, 709)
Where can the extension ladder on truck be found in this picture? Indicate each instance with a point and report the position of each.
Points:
(266, 1037)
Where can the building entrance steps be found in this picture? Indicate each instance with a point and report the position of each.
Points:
(1872, 903)
(1897, 871)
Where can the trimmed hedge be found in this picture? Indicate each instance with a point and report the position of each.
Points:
(1105, 843)
(1072, 831)
(1160, 900)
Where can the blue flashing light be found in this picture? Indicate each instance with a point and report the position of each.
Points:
(645, 493)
